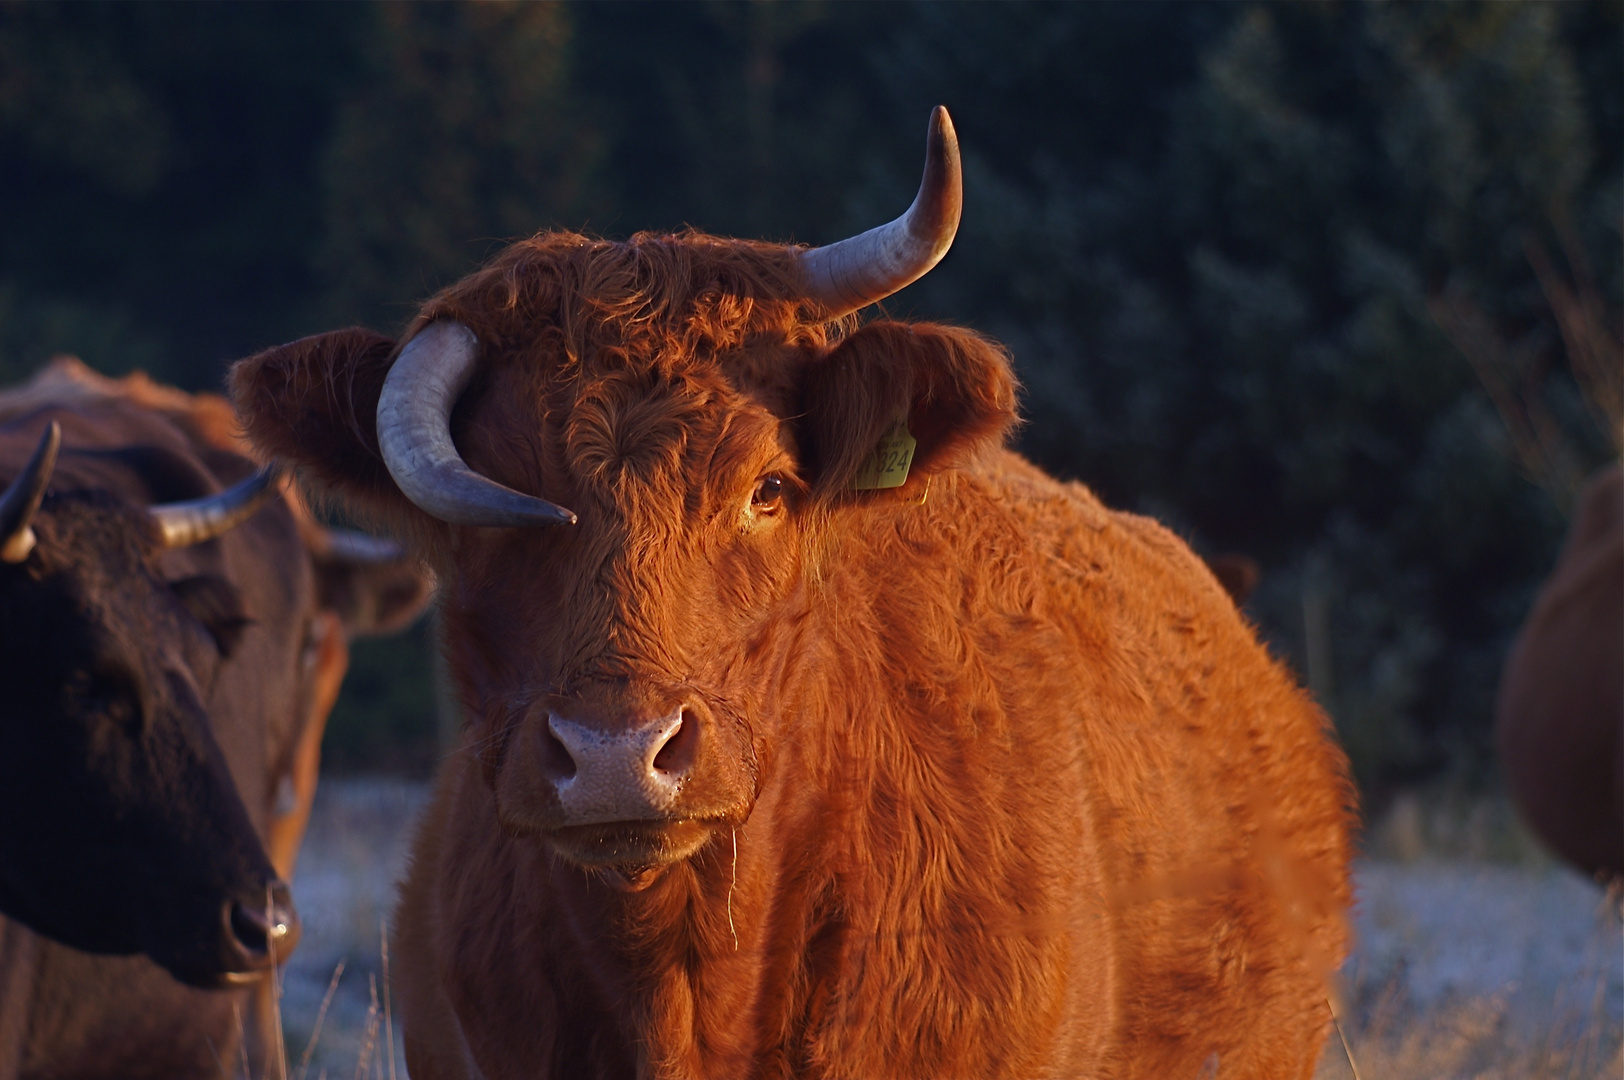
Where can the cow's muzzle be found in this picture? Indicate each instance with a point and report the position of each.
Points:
(634, 774)
(251, 937)
(623, 776)
(261, 935)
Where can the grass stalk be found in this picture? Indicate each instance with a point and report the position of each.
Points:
(370, 1038)
(242, 1040)
(388, 1019)
(321, 1016)
(1336, 1021)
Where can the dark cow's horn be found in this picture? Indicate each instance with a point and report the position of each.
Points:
(867, 268)
(414, 434)
(182, 524)
(21, 500)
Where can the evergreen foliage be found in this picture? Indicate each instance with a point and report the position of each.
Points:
(463, 136)
(1238, 250)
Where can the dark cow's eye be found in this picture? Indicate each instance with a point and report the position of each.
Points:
(108, 697)
(769, 493)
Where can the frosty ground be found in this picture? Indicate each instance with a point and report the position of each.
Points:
(1476, 957)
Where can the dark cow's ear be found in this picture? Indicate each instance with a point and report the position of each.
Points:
(372, 596)
(952, 388)
(314, 402)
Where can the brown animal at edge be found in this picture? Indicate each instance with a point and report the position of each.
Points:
(1237, 574)
(68, 1013)
(771, 777)
(1559, 720)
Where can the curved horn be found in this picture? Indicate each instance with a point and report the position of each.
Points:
(182, 524)
(414, 434)
(864, 269)
(21, 500)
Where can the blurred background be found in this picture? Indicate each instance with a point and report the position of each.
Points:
(1332, 285)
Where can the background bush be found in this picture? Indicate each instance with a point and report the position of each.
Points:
(1233, 247)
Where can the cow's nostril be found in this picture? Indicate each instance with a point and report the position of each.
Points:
(676, 757)
(250, 930)
(265, 932)
(557, 763)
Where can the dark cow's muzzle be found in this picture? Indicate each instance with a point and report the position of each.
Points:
(259, 936)
(253, 935)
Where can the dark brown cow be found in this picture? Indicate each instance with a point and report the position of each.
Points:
(1238, 574)
(168, 673)
(1560, 716)
(777, 771)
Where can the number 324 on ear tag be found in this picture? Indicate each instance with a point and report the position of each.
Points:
(887, 467)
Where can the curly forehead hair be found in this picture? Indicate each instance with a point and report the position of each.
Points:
(663, 302)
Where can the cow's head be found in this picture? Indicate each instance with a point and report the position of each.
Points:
(124, 829)
(705, 408)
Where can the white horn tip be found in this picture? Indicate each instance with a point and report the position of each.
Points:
(865, 269)
(18, 547)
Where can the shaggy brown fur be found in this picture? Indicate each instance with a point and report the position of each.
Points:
(65, 1013)
(1560, 716)
(1002, 784)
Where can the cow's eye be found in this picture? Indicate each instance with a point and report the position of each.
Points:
(109, 697)
(768, 495)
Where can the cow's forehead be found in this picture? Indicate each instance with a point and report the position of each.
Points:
(96, 535)
(675, 431)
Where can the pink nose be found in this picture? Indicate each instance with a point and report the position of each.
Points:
(632, 774)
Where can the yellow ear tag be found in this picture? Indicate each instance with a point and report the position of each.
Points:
(887, 467)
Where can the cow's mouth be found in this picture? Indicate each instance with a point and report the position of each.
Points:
(631, 854)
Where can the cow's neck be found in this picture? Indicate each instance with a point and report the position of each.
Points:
(18, 971)
(729, 943)
(692, 953)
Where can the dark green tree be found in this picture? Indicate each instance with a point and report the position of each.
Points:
(160, 167)
(740, 117)
(464, 136)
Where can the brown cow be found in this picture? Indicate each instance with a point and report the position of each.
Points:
(1559, 724)
(1238, 574)
(166, 689)
(775, 771)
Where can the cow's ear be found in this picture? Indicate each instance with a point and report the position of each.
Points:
(952, 388)
(372, 596)
(314, 402)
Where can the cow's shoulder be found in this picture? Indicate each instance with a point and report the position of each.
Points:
(138, 406)
(1149, 625)
(1093, 554)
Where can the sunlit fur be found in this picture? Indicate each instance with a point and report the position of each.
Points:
(1013, 789)
(1560, 714)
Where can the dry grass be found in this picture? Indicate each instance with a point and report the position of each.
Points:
(336, 1007)
(1484, 972)
(1477, 957)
